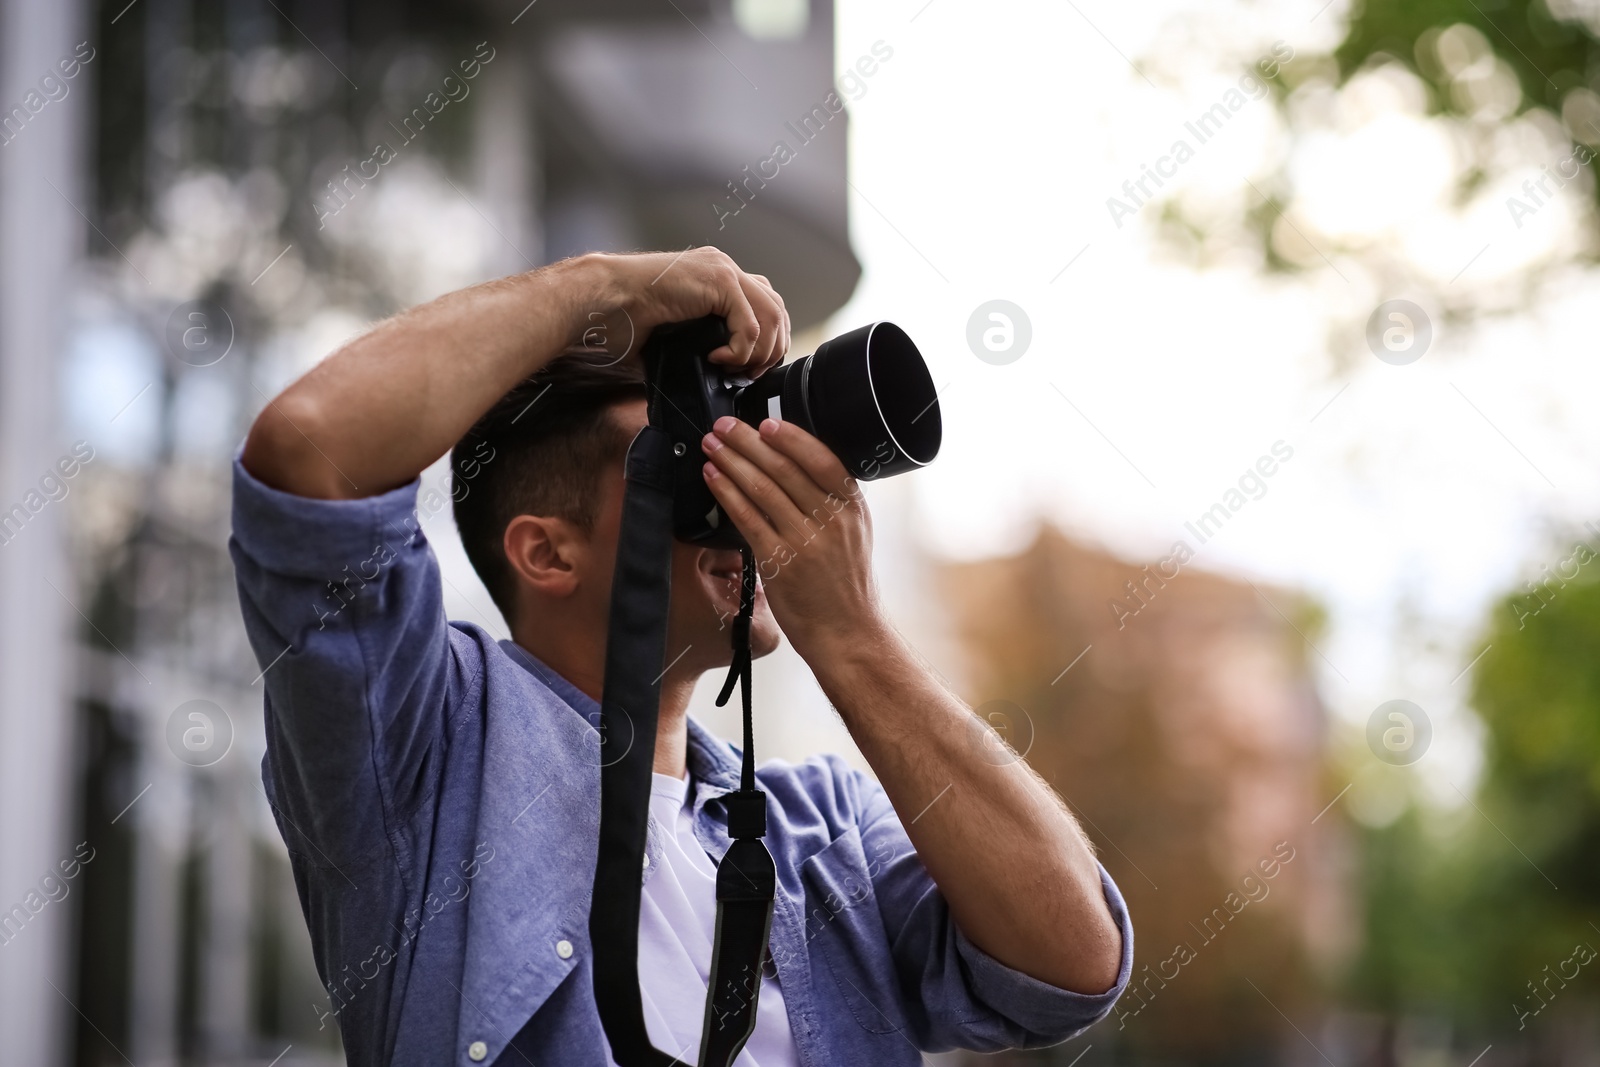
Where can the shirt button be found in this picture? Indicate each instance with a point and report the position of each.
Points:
(564, 949)
(477, 1051)
(647, 863)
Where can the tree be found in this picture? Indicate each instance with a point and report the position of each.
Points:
(1478, 916)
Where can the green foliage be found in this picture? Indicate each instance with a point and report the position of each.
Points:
(1462, 50)
(1538, 690)
(1465, 910)
(1550, 56)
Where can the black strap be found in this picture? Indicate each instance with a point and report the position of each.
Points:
(629, 708)
(630, 703)
(746, 878)
(739, 669)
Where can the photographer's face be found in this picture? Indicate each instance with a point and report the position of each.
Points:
(705, 582)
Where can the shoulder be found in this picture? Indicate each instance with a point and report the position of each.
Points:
(489, 676)
(472, 650)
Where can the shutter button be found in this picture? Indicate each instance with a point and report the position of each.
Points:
(477, 1051)
(564, 949)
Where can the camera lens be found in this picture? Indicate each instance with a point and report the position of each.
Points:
(866, 394)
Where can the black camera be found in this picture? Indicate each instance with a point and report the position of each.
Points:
(866, 394)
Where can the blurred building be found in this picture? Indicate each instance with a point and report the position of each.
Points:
(1175, 712)
(225, 191)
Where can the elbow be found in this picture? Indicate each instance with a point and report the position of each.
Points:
(1102, 949)
(1088, 966)
(283, 451)
(1103, 963)
(1090, 959)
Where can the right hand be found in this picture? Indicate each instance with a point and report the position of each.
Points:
(654, 288)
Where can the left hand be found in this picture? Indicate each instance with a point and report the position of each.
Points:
(807, 523)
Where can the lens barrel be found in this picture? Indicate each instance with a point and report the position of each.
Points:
(866, 394)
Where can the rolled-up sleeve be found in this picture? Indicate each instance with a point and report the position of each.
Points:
(1042, 1010)
(343, 608)
(960, 996)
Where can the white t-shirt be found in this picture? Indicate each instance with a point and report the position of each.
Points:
(677, 927)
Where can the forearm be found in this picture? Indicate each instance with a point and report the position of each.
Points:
(1017, 873)
(377, 412)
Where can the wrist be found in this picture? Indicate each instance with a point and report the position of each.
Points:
(843, 654)
(589, 288)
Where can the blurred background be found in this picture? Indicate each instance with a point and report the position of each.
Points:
(1264, 525)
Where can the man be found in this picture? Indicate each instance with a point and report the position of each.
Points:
(438, 791)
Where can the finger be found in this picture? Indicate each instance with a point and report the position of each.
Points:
(803, 490)
(780, 348)
(744, 515)
(733, 304)
(770, 314)
(754, 483)
(812, 456)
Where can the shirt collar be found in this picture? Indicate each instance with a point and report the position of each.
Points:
(710, 759)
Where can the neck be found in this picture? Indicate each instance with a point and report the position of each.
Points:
(672, 729)
(586, 671)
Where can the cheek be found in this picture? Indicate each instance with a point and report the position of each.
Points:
(685, 568)
(696, 596)
(765, 636)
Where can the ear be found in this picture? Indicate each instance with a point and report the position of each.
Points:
(544, 553)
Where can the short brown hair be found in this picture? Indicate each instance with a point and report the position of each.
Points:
(539, 451)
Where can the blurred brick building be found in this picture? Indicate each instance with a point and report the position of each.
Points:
(1178, 716)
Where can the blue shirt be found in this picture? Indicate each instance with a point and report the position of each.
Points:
(439, 796)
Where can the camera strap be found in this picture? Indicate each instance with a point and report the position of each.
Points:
(746, 877)
(629, 710)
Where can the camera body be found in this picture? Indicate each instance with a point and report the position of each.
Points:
(866, 394)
